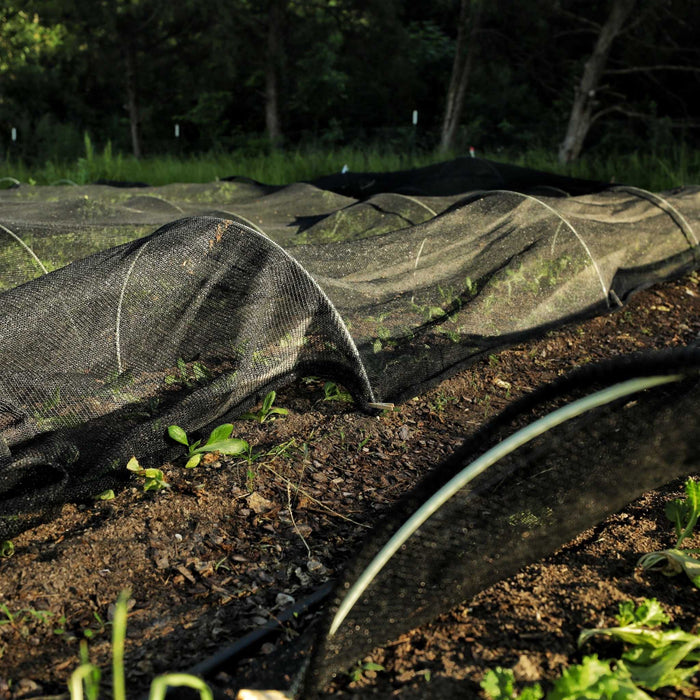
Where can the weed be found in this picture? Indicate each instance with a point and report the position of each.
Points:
(7, 549)
(684, 514)
(220, 440)
(153, 479)
(267, 410)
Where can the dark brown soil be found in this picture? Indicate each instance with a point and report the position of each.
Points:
(222, 551)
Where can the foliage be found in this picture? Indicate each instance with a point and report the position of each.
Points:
(153, 479)
(683, 513)
(7, 548)
(653, 659)
(85, 680)
(267, 410)
(219, 440)
(333, 392)
(359, 670)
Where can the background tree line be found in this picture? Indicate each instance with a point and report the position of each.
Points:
(255, 74)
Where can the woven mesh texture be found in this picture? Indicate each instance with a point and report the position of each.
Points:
(516, 508)
(124, 310)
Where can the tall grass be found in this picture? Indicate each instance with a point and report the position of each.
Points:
(306, 163)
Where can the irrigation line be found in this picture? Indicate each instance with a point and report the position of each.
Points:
(26, 247)
(478, 466)
(248, 641)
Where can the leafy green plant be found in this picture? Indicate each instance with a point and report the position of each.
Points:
(683, 513)
(267, 410)
(653, 659)
(220, 440)
(188, 376)
(153, 479)
(333, 392)
(7, 549)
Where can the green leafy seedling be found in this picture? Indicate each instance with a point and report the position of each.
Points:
(499, 684)
(332, 392)
(653, 658)
(656, 658)
(684, 514)
(358, 671)
(7, 549)
(220, 440)
(153, 479)
(267, 410)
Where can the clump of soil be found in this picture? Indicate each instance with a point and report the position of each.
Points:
(233, 543)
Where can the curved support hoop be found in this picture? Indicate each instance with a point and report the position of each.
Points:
(415, 201)
(480, 194)
(117, 333)
(478, 466)
(26, 247)
(664, 204)
(341, 324)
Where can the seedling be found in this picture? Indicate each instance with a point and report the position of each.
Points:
(153, 479)
(332, 392)
(654, 659)
(267, 410)
(220, 440)
(359, 670)
(189, 377)
(7, 549)
(683, 513)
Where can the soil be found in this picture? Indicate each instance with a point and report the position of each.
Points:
(231, 544)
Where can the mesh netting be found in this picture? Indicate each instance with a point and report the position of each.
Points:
(109, 333)
(551, 466)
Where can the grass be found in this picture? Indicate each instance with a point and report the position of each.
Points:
(282, 167)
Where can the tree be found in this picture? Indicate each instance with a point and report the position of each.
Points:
(468, 28)
(586, 94)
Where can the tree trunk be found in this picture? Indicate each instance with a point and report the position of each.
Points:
(272, 63)
(461, 70)
(132, 104)
(582, 116)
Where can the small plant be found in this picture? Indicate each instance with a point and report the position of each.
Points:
(654, 659)
(683, 513)
(332, 392)
(359, 670)
(267, 410)
(7, 549)
(220, 440)
(153, 479)
(85, 680)
(188, 376)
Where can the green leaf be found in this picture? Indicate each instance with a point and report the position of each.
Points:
(671, 562)
(107, 495)
(232, 446)
(268, 401)
(499, 684)
(649, 613)
(133, 465)
(371, 666)
(223, 432)
(178, 434)
(193, 461)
